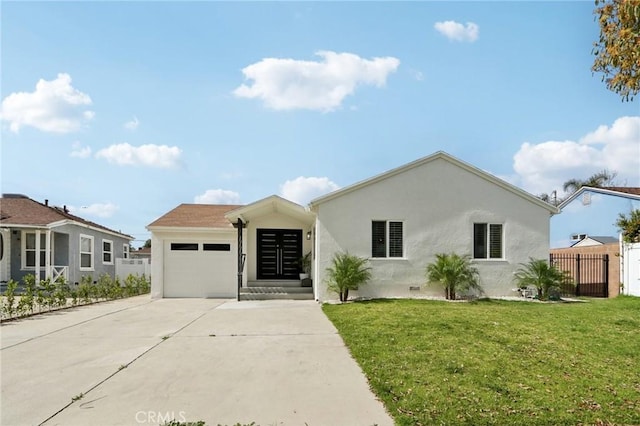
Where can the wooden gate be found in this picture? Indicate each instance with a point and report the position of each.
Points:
(590, 273)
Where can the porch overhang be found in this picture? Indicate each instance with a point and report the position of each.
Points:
(270, 205)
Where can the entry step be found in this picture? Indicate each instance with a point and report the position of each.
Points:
(275, 283)
(270, 293)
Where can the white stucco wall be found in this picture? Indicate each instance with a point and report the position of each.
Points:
(438, 203)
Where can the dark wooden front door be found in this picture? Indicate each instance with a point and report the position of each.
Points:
(279, 251)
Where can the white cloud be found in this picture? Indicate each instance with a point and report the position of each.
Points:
(544, 167)
(101, 210)
(55, 106)
(123, 154)
(285, 84)
(302, 189)
(217, 196)
(458, 32)
(132, 124)
(80, 151)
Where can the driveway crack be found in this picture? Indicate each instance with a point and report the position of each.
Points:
(122, 367)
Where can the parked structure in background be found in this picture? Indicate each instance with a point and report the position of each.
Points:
(49, 242)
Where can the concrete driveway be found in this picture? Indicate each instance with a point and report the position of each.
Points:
(137, 361)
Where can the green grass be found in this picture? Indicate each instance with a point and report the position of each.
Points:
(498, 362)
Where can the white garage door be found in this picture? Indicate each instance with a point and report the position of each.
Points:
(200, 268)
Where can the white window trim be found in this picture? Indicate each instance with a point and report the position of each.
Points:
(110, 252)
(125, 251)
(23, 251)
(386, 230)
(502, 243)
(93, 250)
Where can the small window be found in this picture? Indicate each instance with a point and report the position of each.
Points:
(86, 253)
(216, 247)
(387, 239)
(184, 246)
(107, 252)
(487, 241)
(125, 251)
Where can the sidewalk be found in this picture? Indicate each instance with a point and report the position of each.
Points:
(138, 361)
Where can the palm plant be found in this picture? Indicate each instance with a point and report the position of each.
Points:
(347, 272)
(544, 277)
(597, 180)
(453, 272)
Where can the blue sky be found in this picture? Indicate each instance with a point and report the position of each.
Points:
(123, 110)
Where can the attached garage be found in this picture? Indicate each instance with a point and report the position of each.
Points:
(195, 253)
(199, 268)
(196, 249)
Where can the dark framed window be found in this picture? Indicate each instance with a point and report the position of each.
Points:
(107, 251)
(488, 241)
(184, 246)
(216, 247)
(387, 238)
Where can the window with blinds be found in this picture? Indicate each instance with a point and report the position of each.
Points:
(387, 239)
(487, 241)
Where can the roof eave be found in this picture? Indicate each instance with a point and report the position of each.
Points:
(182, 229)
(599, 191)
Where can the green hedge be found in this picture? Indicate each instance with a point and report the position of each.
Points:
(51, 295)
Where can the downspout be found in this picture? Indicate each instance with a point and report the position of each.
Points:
(241, 257)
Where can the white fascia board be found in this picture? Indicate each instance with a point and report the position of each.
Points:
(598, 191)
(84, 225)
(17, 225)
(189, 229)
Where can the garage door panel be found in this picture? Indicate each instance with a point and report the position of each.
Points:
(200, 273)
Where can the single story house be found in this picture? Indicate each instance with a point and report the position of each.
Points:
(584, 240)
(49, 242)
(399, 220)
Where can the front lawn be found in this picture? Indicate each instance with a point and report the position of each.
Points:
(498, 362)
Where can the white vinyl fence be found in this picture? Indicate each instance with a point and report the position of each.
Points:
(630, 268)
(126, 267)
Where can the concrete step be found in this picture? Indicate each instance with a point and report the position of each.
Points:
(276, 290)
(275, 283)
(271, 293)
(276, 296)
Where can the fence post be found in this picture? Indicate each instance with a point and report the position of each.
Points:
(605, 274)
(577, 274)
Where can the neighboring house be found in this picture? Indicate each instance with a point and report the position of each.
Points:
(592, 211)
(49, 242)
(589, 241)
(399, 220)
(142, 253)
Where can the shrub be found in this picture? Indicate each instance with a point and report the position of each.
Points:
(347, 272)
(60, 293)
(547, 279)
(28, 299)
(9, 305)
(453, 272)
